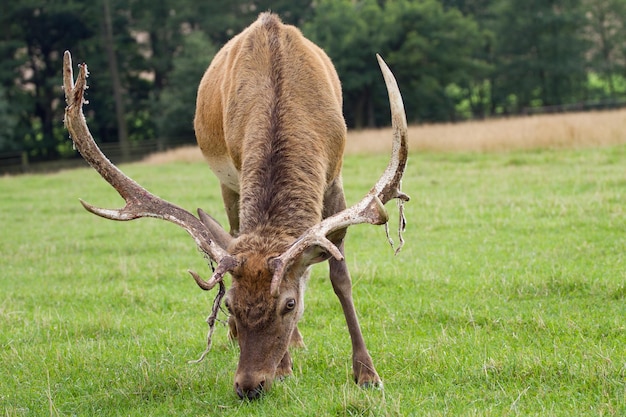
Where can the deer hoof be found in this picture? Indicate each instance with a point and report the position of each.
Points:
(366, 376)
(374, 385)
(370, 381)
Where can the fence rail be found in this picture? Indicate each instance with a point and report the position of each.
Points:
(19, 162)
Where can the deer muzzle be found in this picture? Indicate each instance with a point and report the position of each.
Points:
(250, 385)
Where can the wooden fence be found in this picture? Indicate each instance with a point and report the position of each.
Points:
(19, 162)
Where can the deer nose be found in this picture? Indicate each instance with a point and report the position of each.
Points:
(250, 393)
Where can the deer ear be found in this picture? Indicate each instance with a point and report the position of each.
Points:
(317, 253)
(314, 254)
(311, 255)
(220, 236)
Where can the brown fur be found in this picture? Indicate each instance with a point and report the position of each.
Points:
(275, 87)
(269, 122)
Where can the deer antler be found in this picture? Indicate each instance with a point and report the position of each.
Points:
(371, 208)
(139, 202)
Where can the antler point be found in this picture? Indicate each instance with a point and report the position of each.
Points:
(201, 283)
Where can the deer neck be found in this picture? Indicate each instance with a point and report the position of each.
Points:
(282, 188)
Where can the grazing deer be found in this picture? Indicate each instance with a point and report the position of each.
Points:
(269, 122)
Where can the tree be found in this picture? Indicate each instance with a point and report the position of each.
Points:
(350, 34)
(430, 49)
(541, 53)
(178, 98)
(606, 31)
(478, 9)
(478, 93)
(434, 51)
(8, 122)
(109, 47)
(33, 38)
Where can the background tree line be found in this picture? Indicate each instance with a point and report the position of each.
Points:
(454, 59)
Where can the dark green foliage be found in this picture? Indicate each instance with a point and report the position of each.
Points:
(454, 59)
(33, 34)
(540, 52)
(431, 50)
(178, 98)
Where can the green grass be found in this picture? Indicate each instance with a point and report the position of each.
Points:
(508, 299)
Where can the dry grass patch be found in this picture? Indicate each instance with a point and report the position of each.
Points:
(569, 130)
(189, 153)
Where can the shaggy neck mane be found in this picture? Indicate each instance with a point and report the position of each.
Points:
(284, 179)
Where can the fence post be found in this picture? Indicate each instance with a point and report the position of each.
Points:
(24, 161)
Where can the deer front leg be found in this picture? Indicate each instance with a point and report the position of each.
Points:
(285, 367)
(364, 373)
(296, 339)
(231, 204)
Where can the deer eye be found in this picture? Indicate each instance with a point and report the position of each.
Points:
(290, 305)
(227, 304)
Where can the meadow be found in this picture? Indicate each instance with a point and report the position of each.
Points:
(509, 297)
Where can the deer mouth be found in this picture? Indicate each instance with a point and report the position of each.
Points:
(250, 394)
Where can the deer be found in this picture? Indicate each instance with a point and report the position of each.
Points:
(269, 122)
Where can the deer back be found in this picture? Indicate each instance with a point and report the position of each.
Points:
(269, 122)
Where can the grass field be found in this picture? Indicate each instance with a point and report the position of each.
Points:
(508, 299)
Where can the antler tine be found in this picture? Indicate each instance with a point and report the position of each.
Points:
(139, 202)
(371, 208)
(227, 264)
(390, 182)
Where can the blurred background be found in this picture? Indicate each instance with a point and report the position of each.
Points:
(454, 60)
